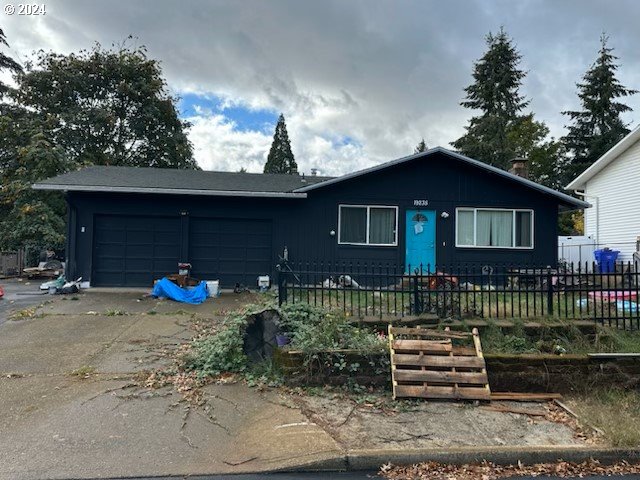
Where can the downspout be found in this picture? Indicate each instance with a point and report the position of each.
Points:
(597, 205)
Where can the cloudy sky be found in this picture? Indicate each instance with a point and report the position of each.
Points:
(359, 82)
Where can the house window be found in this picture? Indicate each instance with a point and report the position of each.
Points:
(367, 225)
(494, 228)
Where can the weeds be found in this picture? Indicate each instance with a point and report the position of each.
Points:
(114, 313)
(567, 338)
(23, 314)
(84, 371)
(616, 412)
(211, 355)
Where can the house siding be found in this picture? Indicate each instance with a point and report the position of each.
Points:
(614, 219)
(304, 225)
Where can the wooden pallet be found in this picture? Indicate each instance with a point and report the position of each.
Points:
(426, 364)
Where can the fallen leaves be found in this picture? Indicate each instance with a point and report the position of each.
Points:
(491, 471)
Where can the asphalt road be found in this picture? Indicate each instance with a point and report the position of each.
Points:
(19, 295)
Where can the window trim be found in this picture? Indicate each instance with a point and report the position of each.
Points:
(475, 211)
(368, 208)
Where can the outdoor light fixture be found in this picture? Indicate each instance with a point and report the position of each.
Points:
(444, 214)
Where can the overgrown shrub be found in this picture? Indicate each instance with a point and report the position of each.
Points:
(326, 338)
(314, 329)
(222, 352)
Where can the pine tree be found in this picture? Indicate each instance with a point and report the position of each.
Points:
(597, 126)
(495, 92)
(421, 147)
(280, 159)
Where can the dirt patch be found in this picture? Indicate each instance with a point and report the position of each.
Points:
(371, 423)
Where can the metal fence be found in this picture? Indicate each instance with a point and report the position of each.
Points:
(572, 291)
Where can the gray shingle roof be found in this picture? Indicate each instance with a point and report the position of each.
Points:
(197, 182)
(165, 180)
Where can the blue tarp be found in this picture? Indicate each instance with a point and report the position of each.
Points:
(165, 288)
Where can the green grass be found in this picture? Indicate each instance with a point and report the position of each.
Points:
(495, 304)
(563, 337)
(615, 412)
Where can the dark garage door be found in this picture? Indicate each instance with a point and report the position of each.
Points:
(134, 250)
(230, 250)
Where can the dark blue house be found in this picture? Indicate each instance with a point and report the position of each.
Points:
(129, 226)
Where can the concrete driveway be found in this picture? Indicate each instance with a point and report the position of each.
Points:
(19, 294)
(64, 414)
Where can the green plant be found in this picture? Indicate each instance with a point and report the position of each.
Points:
(114, 312)
(265, 373)
(84, 371)
(221, 352)
(614, 411)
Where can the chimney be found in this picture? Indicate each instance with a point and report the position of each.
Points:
(520, 167)
(314, 172)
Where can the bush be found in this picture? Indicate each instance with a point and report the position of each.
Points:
(314, 329)
(223, 351)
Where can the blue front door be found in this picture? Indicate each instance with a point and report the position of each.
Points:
(420, 240)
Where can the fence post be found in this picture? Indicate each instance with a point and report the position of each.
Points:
(281, 279)
(549, 292)
(417, 301)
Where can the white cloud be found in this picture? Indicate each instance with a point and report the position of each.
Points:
(382, 73)
(218, 145)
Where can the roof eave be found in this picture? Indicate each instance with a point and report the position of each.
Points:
(610, 155)
(562, 197)
(165, 191)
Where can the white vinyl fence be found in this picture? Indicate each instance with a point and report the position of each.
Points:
(577, 249)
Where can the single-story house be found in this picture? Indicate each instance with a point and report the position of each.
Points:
(129, 226)
(612, 186)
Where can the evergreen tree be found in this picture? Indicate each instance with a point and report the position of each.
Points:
(495, 93)
(280, 159)
(597, 126)
(421, 147)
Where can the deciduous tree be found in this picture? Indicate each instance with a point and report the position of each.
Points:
(107, 107)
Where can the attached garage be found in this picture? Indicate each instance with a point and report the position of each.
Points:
(134, 250)
(231, 250)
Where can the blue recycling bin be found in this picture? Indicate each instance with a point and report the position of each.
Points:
(606, 260)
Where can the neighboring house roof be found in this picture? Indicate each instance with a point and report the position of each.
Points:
(197, 182)
(562, 197)
(618, 149)
(180, 182)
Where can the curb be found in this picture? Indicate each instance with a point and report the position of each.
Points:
(355, 460)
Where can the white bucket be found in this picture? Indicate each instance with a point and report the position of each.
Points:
(214, 288)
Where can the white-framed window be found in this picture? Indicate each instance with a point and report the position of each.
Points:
(368, 225)
(494, 228)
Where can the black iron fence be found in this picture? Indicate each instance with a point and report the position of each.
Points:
(609, 294)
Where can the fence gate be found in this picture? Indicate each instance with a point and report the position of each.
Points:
(426, 364)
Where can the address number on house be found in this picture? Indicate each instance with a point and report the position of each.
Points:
(420, 203)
